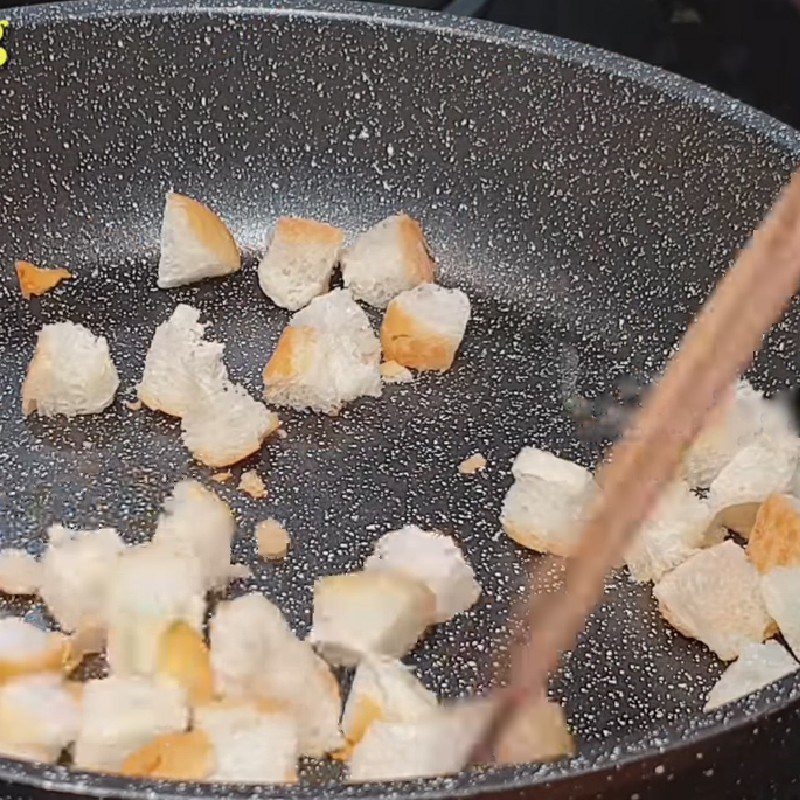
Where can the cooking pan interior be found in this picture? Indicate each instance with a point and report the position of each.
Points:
(585, 208)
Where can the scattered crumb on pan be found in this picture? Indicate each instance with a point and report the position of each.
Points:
(251, 483)
(475, 463)
(273, 539)
(36, 281)
(221, 477)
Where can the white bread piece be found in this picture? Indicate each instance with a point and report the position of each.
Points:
(197, 523)
(150, 589)
(38, 713)
(20, 572)
(768, 466)
(75, 573)
(433, 559)
(195, 243)
(384, 689)
(225, 426)
(757, 666)
(423, 327)
(121, 714)
(740, 420)
(536, 732)
(327, 356)
(369, 613)
(256, 656)
(543, 509)
(680, 526)
(71, 373)
(26, 649)
(438, 744)
(180, 364)
(715, 596)
(387, 259)
(299, 260)
(780, 588)
(249, 745)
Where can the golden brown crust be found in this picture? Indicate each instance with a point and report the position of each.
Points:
(185, 756)
(291, 356)
(35, 280)
(299, 230)
(775, 537)
(415, 249)
(413, 345)
(184, 657)
(54, 659)
(208, 229)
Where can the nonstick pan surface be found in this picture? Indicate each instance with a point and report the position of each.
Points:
(586, 204)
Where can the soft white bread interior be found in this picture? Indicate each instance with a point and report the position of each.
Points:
(299, 261)
(780, 588)
(20, 572)
(26, 649)
(71, 373)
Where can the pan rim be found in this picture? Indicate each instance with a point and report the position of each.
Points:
(598, 758)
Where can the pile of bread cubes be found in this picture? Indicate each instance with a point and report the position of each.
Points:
(242, 698)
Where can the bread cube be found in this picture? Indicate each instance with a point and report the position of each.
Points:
(680, 525)
(181, 756)
(39, 714)
(299, 260)
(197, 523)
(387, 259)
(75, 574)
(250, 746)
(544, 508)
(780, 588)
(256, 657)
(775, 537)
(120, 714)
(715, 596)
(180, 364)
(71, 373)
(433, 559)
(326, 357)
(423, 327)
(26, 649)
(20, 572)
(369, 613)
(195, 244)
(536, 732)
(757, 666)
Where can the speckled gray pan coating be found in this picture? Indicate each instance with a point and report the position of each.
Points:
(583, 201)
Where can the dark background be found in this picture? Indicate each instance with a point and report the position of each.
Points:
(749, 49)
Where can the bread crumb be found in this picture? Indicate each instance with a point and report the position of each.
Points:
(133, 405)
(252, 484)
(282, 433)
(221, 477)
(392, 372)
(273, 539)
(35, 280)
(475, 463)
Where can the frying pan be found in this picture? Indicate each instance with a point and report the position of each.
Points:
(585, 202)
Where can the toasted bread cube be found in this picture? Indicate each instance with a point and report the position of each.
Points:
(299, 260)
(423, 327)
(26, 649)
(387, 259)
(184, 657)
(197, 523)
(326, 357)
(715, 596)
(757, 666)
(433, 559)
(20, 572)
(182, 756)
(249, 745)
(536, 732)
(195, 244)
(35, 280)
(680, 526)
(75, 573)
(765, 467)
(375, 612)
(775, 537)
(38, 712)
(384, 689)
(180, 364)
(544, 508)
(150, 589)
(225, 426)
(256, 656)
(780, 588)
(71, 373)
(437, 744)
(120, 714)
